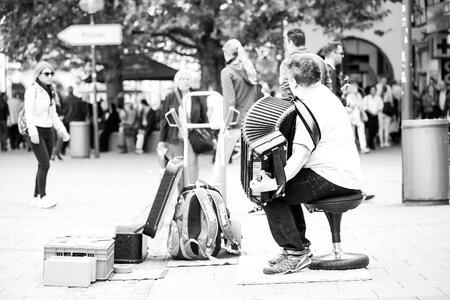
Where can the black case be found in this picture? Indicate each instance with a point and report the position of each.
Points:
(130, 245)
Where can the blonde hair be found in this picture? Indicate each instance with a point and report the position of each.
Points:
(234, 48)
(176, 78)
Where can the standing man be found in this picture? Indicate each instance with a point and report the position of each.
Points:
(15, 105)
(296, 45)
(74, 110)
(334, 53)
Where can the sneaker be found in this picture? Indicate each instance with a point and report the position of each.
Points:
(255, 209)
(365, 151)
(46, 202)
(34, 200)
(280, 257)
(290, 264)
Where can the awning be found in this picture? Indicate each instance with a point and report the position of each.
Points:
(140, 67)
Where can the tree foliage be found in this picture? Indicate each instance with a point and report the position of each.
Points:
(196, 28)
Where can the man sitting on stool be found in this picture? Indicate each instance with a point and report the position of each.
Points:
(331, 170)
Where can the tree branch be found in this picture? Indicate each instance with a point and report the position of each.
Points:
(171, 35)
(155, 49)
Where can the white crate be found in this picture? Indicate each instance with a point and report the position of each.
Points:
(100, 248)
(69, 271)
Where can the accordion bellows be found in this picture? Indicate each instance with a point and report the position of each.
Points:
(262, 124)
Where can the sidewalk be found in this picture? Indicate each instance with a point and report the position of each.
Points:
(408, 247)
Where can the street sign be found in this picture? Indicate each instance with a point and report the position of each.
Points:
(86, 35)
(440, 46)
(91, 6)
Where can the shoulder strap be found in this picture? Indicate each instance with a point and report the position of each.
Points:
(224, 221)
(207, 237)
(309, 121)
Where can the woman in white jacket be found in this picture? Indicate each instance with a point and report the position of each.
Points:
(41, 118)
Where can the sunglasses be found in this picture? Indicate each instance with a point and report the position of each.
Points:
(48, 73)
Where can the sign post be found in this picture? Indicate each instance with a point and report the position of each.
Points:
(80, 35)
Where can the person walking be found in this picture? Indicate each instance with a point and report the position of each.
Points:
(15, 105)
(296, 45)
(387, 113)
(373, 105)
(41, 118)
(358, 117)
(4, 114)
(196, 112)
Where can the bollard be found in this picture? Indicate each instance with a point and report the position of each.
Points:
(425, 162)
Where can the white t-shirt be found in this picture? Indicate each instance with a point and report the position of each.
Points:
(335, 157)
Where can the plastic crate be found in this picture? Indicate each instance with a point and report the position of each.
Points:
(101, 249)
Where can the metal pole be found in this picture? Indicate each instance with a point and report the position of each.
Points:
(407, 102)
(94, 105)
(407, 112)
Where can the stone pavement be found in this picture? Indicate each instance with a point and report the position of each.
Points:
(408, 246)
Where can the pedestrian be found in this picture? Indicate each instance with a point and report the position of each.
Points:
(111, 125)
(373, 105)
(331, 170)
(41, 118)
(128, 128)
(148, 122)
(358, 117)
(15, 105)
(296, 45)
(170, 140)
(4, 115)
(75, 110)
(334, 54)
(443, 94)
(240, 91)
(387, 113)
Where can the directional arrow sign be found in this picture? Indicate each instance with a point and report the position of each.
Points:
(86, 35)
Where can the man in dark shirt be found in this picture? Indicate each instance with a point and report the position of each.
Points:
(334, 53)
(74, 110)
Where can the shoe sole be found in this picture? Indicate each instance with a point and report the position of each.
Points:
(310, 255)
(44, 207)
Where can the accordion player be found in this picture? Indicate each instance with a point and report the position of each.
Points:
(268, 129)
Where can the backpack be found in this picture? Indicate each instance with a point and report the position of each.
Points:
(22, 121)
(200, 222)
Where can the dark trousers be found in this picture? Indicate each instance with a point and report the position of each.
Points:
(3, 136)
(43, 152)
(284, 215)
(14, 136)
(372, 129)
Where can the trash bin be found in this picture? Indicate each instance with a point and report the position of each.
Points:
(79, 139)
(425, 162)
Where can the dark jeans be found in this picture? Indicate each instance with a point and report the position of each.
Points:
(372, 129)
(14, 136)
(43, 152)
(3, 136)
(285, 216)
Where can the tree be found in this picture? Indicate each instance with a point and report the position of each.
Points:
(196, 28)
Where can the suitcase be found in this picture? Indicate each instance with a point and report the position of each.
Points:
(165, 198)
(130, 245)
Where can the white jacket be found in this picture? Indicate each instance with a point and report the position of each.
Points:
(39, 112)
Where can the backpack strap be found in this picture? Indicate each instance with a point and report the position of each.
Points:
(224, 221)
(309, 121)
(206, 239)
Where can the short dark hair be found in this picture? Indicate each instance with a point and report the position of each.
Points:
(297, 36)
(304, 69)
(330, 47)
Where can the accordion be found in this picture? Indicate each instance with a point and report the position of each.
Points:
(267, 132)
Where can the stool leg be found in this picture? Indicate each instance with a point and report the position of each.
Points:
(338, 259)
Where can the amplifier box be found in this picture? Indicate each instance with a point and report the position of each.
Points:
(130, 245)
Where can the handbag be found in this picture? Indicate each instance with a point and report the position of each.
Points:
(388, 109)
(201, 139)
(22, 123)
